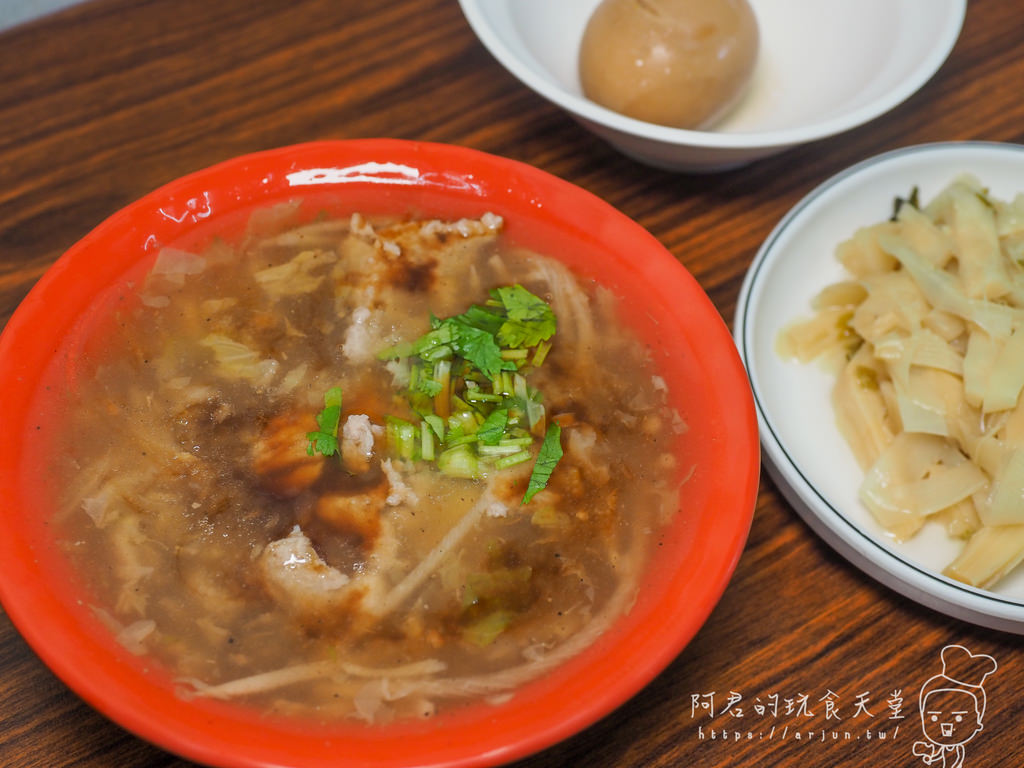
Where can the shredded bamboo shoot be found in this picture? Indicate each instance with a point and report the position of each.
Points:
(931, 323)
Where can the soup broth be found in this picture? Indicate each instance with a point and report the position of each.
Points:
(390, 578)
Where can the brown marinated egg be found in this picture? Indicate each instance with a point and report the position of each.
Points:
(681, 63)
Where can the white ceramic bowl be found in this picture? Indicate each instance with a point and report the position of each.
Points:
(825, 66)
(804, 451)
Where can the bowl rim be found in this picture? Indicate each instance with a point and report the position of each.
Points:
(590, 111)
(888, 566)
(394, 164)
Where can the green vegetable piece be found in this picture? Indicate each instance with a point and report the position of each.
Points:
(493, 428)
(549, 517)
(401, 436)
(477, 346)
(541, 354)
(400, 350)
(434, 344)
(529, 401)
(426, 442)
(502, 384)
(501, 588)
(439, 352)
(485, 631)
(325, 439)
(459, 461)
(548, 457)
(499, 450)
(423, 381)
(477, 396)
(483, 318)
(436, 423)
(511, 461)
(530, 319)
(464, 379)
(516, 441)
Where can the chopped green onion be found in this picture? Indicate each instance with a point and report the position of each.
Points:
(516, 441)
(541, 354)
(401, 435)
(465, 380)
(464, 419)
(459, 404)
(442, 374)
(511, 461)
(440, 352)
(459, 461)
(476, 396)
(498, 450)
(426, 442)
(529, 400)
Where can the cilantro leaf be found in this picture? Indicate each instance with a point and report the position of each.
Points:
(493, 428)
(477, 346)
(325, 439)
(549, 455)
(321, 442)
(466, 378)
(428, 385)
(530, 319)
(483, 318)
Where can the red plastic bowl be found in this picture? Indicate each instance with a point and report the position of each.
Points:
(667, 308)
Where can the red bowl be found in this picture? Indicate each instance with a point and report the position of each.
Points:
(693, 351)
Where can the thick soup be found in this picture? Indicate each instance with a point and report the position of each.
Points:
(367, 469)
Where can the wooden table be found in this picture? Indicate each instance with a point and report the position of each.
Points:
(106, 101)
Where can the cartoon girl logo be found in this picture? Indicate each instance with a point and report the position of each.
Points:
(952, 705)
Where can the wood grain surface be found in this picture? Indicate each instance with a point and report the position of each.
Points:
(105, 101)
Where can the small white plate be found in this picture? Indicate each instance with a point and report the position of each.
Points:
(804, 451)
